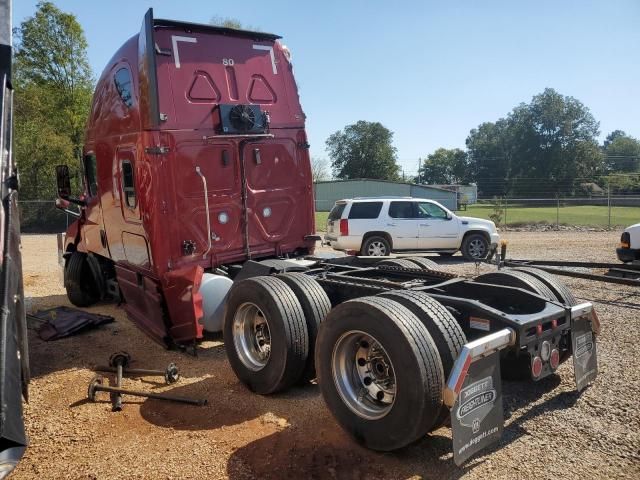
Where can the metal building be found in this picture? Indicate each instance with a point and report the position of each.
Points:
(327, 192)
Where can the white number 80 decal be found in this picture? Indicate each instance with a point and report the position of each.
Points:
(228, 62)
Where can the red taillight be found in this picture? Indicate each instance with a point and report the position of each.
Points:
(344, 227)
(554, 360)
(536, 367)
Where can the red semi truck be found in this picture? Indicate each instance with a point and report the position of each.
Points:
(197, 214)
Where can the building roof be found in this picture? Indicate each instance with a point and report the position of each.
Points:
(383, 181)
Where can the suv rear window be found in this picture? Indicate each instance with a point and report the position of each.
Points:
(364, 210)
(336, 211)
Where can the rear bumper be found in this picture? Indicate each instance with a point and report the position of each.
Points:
(627, 254)
(349, 242)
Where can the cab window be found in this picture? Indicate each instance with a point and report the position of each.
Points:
(402, 210)
(128, 184)
(122, 79)
(91, 174)
(430, 210)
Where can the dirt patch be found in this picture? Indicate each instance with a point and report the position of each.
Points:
(551, 431)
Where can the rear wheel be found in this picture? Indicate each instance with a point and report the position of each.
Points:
(475, 247)
(424, 263)
(379, 372)
(79, 281)
(511, 278)
(559, 289)
(265, 334)
(315, 305)
(375, 246)
(443, 328)
(516, 367)
(397, 262)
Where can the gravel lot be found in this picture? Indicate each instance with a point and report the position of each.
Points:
(551, 431)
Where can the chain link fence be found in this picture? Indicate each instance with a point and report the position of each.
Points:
(602, 212)
(42, 216)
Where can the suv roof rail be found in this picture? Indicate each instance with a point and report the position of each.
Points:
(380, 197)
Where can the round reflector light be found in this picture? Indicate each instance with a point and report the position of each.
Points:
(545, 351)
(554, 361)
(536, 367)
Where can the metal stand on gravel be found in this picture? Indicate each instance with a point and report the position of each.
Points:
(118, 364)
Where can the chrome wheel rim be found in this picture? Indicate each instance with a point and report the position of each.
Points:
(377, 249)
(251, 336)
(477, 248)
(363, 375)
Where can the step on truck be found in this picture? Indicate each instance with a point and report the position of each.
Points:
(197, 215)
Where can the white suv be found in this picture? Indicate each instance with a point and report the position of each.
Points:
(380, 225)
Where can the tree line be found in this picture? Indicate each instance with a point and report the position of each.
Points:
(549, 145)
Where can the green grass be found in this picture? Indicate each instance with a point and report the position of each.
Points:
(585, 215)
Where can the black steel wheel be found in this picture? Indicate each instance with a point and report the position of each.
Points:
(265, 334)
(82, 289)
(424, 263)
(375, 246)
(379, 372)
(315, 305)
(475, 247)
(446, 332)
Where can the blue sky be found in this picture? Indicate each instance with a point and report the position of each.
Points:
(429, 71)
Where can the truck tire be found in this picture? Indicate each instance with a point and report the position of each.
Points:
(559, 289)
(443, 328)
(375, 246)
(397, 262)
(424, 263)
(474, 247)
(82, 289)
(379, 372)
(315, 305)
(510, 278)
(265, 334)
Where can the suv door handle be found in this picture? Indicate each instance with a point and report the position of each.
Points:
(425, 224)
(391, 225)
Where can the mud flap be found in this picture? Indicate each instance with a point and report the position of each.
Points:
(477, 418)
(474, 395)
(585, 354)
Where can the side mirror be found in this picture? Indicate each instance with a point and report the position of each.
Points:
(449, 216)
(64, 181)
(64, 185)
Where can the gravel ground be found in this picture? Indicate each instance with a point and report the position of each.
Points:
(551, 431)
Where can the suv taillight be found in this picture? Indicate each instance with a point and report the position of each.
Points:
(625, 240)
(344, 227)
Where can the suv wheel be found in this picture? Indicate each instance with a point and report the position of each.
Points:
(475, 247)
(375, 246)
